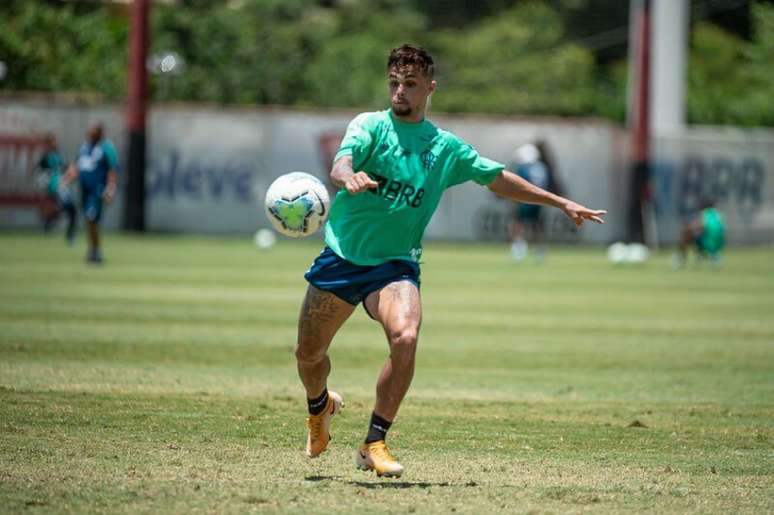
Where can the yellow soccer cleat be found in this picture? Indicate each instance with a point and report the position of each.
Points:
(320, 426)
(376, 456)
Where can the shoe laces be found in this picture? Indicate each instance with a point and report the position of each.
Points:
(381, 451)
(314, 424)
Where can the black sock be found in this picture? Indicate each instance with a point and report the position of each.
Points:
(316, 406)
(378, 428)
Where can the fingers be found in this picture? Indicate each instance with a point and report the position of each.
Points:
(360, 182)
(579, 215)
(593, 215)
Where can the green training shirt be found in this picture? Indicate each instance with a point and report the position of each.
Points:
(413, 163)
(712, 237)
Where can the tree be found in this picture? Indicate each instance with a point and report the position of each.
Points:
(349, 68)
(758, 69)
(730, 80)
(52, 48)
(516, 63)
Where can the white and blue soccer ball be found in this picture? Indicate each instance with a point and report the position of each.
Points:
(618, 253)
(634, 253)
(297, 204)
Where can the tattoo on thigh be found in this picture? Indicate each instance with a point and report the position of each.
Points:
(319, 306)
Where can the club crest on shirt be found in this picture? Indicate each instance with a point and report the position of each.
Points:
(428, 159)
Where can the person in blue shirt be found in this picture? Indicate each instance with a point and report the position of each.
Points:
(527, 226)
(96, 168)
(58, 200)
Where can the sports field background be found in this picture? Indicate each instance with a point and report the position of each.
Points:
(165, 381)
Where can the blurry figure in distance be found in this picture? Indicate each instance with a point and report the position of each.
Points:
(706, 232)
(58, 198)
(532, 163)
(96, 168)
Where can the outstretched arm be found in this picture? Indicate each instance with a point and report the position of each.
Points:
(511, 186)
(343, 176)
(111, 186)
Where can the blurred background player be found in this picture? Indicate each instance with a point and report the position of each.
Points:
(58, 198)
(533, 163)
(706, 232)
(96, 168)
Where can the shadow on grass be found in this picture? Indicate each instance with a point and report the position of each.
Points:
(384, 483)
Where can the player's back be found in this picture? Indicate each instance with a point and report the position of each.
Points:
(713, 230)
(535, 173)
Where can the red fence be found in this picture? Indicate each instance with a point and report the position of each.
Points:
(19, 155)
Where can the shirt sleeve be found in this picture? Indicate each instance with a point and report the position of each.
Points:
(358, 140)
(470, 166)
(111, 156)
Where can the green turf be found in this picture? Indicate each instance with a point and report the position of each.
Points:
(165, 381)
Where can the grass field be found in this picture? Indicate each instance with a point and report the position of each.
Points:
(165, 381)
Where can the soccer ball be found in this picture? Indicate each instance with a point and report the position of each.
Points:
(638, 253)
(297, 204)
(264, 239)
(621, 253)
(618, 253)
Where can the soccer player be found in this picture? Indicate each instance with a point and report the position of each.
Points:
(391, 170)
(706, 232)
(96, 169)
(527, 225)
(58, 199)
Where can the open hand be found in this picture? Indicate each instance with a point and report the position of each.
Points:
(359, 182)
(578, 213)
(108, 195)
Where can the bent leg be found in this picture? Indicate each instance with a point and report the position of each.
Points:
(687, 240)
(322, 314)
(398, 308)
(69, 209)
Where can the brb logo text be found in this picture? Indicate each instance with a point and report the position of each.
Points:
(735, 184)
(396, 191)
(724, 180)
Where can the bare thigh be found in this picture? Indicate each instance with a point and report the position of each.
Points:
(397, 306)
(322, 314)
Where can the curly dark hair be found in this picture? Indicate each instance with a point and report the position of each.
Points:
(410, 55)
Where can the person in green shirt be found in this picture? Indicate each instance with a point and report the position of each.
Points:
(58, 199)
(391, 170)
(706, 232)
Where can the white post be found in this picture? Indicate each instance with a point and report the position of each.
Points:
(669, 44)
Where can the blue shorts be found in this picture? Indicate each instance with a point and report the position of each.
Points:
(528, 213)
(92, 203)
(353, 283)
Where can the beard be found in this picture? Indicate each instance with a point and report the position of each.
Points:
(401, 109)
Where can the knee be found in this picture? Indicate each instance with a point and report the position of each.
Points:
(309, 354)
(403, 342)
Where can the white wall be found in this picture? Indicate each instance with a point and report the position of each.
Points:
(732, 166)
(209, 167)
